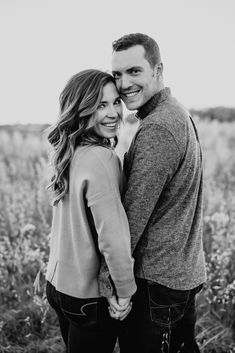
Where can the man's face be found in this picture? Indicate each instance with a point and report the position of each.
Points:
(135, 78)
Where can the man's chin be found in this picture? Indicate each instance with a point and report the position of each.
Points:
(132, 105)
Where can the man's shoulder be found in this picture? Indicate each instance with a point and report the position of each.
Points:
(169, 109)
(170, 115)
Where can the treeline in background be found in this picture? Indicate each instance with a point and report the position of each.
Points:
(26, 322)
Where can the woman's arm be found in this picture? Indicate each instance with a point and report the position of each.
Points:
(104, 200)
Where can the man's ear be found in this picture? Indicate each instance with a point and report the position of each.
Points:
(159, 69)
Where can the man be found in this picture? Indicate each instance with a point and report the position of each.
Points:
(163, 201)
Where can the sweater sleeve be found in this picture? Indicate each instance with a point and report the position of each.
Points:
(104, 201)
(153, 161)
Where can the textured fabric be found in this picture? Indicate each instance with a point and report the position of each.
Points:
(90, 228)
(85, 324)
(163, 198)
(161, 320)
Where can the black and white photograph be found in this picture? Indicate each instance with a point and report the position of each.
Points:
(117, 176)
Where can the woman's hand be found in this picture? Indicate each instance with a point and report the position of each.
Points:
(119, 307)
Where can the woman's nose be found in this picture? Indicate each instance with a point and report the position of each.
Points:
(112, 111)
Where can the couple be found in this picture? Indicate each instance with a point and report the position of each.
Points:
(126, 260)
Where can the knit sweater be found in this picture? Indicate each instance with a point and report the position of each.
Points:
(90, 227)
(164, 193)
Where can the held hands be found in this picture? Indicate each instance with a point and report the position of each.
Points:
(119, 308)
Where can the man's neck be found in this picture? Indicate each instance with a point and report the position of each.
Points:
(151, 104)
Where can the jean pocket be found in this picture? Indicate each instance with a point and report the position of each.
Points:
(82, 312)
(167, 306)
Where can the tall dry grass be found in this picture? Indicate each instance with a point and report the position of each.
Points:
(26, 324)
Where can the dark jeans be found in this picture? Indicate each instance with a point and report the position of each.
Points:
(162, 320)
(85, 324)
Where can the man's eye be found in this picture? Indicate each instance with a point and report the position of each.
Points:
(116, 75)
(135, 71)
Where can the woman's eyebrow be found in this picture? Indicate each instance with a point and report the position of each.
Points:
(103, 102)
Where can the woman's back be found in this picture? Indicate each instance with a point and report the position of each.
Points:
(83, 221)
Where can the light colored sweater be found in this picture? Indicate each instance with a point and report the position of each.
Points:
(90, 227)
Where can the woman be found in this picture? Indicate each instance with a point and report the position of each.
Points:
(90, 256)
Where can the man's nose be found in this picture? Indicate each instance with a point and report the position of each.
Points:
(125, 82)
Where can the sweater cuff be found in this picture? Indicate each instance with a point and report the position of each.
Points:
(108, 289)
(126, 290)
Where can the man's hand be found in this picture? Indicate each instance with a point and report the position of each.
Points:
(119, 307)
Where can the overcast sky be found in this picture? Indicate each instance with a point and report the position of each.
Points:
(44, 42)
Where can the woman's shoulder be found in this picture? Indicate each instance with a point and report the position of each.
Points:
(94, 156)
(103, 152)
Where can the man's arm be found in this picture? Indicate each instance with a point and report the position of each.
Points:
(155, 159)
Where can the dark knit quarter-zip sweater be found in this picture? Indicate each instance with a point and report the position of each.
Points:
(164, 195)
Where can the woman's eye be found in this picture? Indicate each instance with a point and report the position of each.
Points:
(101, 106)
(118, 101)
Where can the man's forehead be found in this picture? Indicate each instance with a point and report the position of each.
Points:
(127, 58)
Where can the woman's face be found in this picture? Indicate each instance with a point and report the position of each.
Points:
(109, 112)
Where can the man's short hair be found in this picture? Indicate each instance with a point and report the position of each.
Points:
(152, 51)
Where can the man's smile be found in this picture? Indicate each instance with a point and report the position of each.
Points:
(130, 94)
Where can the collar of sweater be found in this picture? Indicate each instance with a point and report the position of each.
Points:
(153, 102)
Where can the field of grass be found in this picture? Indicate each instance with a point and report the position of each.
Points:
(26, 323)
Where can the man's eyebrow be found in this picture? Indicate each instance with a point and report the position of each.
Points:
(129, 69)
(135, 67)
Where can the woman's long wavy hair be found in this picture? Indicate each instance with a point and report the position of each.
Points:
(78, 102)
